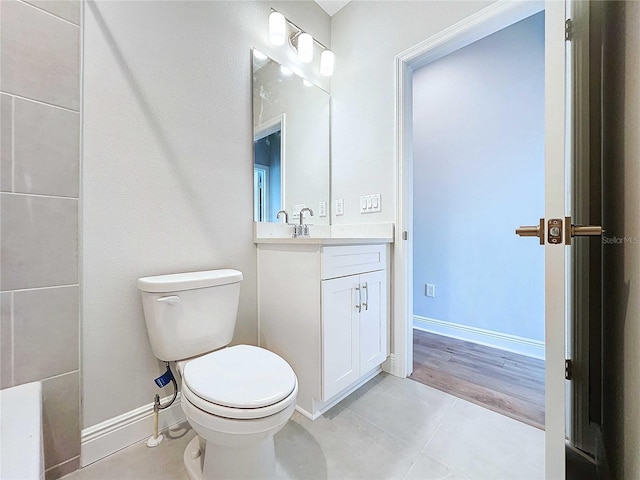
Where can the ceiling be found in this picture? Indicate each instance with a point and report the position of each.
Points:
(332, 6)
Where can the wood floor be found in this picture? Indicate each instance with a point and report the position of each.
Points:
(504, 382)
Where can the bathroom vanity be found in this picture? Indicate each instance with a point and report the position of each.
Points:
(323, 306)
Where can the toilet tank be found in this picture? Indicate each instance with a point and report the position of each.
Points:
(189, 314)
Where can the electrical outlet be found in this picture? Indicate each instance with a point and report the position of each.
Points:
(430, 290)
(340, 206)
(322, 209)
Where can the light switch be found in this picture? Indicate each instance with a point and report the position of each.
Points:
(340, 206)
(322, 209)
(370, 203)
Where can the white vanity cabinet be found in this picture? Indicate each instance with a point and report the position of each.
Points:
(325, 310)
(354, 322)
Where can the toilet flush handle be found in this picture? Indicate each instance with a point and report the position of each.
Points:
(171, 299)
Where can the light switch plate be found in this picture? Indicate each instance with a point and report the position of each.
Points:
(430, 290)
(370, 203)
(340, 206)
(322, 209)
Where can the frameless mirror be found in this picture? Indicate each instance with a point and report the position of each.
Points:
(291, 144)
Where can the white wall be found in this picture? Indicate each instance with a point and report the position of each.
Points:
(366, 36)
(167, 180)
(478, 173)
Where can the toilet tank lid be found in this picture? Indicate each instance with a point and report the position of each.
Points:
(175, 282)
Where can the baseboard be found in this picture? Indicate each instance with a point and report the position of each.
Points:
(389, 366)
(503, 341)
(322, 407)
(103, 439)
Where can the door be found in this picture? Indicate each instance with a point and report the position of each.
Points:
(564, 135)
(558, 146)
(340, 334)
(373, 320)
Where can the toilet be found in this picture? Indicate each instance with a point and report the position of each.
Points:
(235, 398)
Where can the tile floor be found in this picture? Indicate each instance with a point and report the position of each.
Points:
(391, 428)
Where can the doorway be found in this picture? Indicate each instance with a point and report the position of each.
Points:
(566, 29)
(478, 168)
(268, 174)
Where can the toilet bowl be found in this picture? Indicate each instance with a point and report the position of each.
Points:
(235, 398)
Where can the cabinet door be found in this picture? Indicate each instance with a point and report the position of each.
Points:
(340, 336)
(373, 320)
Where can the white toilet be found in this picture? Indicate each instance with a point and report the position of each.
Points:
(236, 398)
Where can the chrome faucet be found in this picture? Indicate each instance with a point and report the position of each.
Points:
(302, 230)
(286, 217)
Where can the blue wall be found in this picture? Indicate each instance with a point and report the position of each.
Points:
(267, 152)
(478, 174)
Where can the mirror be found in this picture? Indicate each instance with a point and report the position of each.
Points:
(291, 144)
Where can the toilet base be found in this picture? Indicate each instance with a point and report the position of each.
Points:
(192, 459)
(216, 462)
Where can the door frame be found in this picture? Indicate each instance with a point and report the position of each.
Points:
(491, 19)
(265, 205)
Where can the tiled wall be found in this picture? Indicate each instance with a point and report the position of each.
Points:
(39, 180)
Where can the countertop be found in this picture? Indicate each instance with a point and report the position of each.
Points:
(324, 241)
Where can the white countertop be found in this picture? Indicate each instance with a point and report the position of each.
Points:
(363, 234)
(324, 241)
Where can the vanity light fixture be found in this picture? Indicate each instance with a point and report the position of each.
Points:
(327, 61)
(277, 28)
(305, 47)
(300, 41)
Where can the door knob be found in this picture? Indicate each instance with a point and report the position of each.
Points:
(532, 231)
(556, 230)
(572, 230)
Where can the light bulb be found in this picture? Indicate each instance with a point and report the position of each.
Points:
(305, 47)
(327, 60)
(258, 55)
(286, 71)
(277, 28)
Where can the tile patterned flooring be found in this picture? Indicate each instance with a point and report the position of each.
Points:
(390, 428)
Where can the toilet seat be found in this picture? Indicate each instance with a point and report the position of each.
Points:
(237, 413)
(240, 382)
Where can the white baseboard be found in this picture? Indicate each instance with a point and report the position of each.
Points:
(323, 407)
(390, 365)
(503, 341)
(103, 439)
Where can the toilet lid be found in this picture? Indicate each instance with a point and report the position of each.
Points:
(242, 376)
